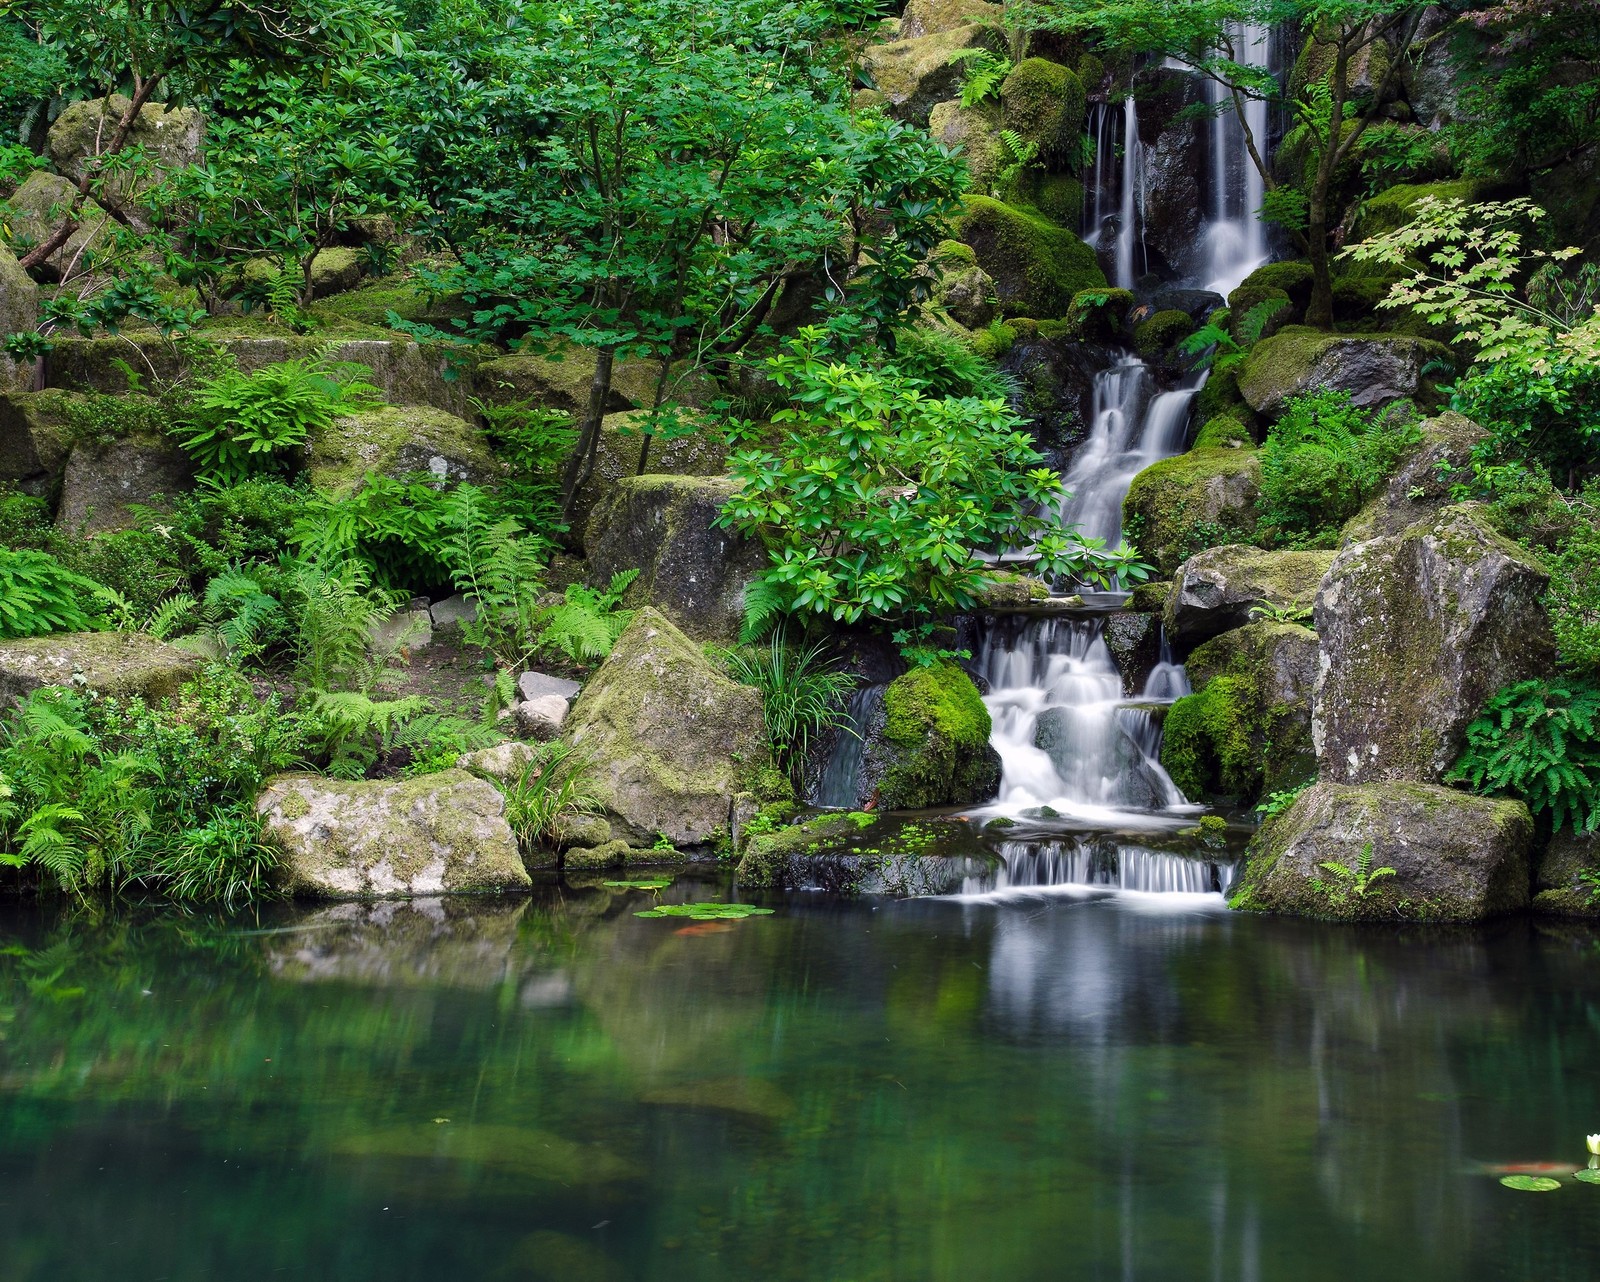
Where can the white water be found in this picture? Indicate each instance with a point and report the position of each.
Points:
(838, 787)
(1235, 238)
(1089, 862)
(1124, 221)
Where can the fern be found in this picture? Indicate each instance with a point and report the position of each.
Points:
(1020, 154)
(1218, 350)
(982, 74)
(765, 602)
(587, 623)
(1541, 742)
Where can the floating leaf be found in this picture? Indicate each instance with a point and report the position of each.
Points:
(641, 883)
(1587, 1176)
(706, 912)
(1530, 1183)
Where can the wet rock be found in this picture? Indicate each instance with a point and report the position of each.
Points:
(1421, 485)
(1455, 857)
(866, 854)
(1376, 369)
(395, 441)
(1172, 215)
(103, 483)
(932, 747)
(670, 738)
(608, 854)
(1134, 640)
(1059, 735)
(1221, 588)
(692, 571)
(1037, 266)
(1055, 391)
(585, 831)
(1196, 304)
(116, 663)
(1567, 878)
(434, 834)
(1190, 502)
(1418, 630)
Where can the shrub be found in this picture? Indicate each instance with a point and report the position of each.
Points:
(39, 595)
(1539, 741)
(549, 790)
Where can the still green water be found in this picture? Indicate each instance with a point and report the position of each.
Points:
(1052, 1088)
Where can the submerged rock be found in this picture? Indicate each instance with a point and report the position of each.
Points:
(434, 834)
(669, 737)
(126, 664)
(1223, 588)
(1418, 630)
(933, 745)
(1455, 857)
(862, 853)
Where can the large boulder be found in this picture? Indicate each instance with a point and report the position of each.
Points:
(690, 570)
(1566, 879)
(19, 313)
(1455, 857)
(35, 439)
(366, 839)
(929, 744)
(1036, 265)
(1043, 103)
(1246, 729)
(932, 17)
(116, 663)
(1418, 630)
(1376, 369)
(1423, 482)
(1225, 587)
(104, 482)
(170, 139)
(1192, 501)
(670, 739)
(915, 74)
(976, 131)
(623, 446)
(397, 440)
(36, 209)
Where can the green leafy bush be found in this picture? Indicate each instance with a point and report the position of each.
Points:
(39, 595)
(1322, 461)
(981, 74)
(1539, 741)
(588, 621)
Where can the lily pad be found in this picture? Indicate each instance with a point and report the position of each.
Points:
(641, 883)
(706, 912)
(1587, 1176)
(1530, 1183)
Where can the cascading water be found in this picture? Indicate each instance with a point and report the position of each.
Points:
(1099, 862)
(839, 785)
(1124, 175)
(1236, 239)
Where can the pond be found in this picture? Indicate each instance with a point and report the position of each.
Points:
(1070, 1083)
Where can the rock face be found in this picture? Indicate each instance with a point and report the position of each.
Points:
(1246, 729)
(1218, 589)
(117, 663)
(622, 446)
(34, 436)
(1182, 504)
(1375, 369)
(1455, 857)
(395, 440)
(19, 313)
(669, 738)
(1421, 485)
(690, 570)
(102, 482)
(1418, 630)
(430, 835)
(1560, 886)
(171, 139)
(932, 748)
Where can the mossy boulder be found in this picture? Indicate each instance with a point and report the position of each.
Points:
(19, 313)
(35, 439)
(1224, 432)
(691, 570)
(116, 663)
(169, 138)
(1192, 501)
(933, 748)
(559, 379)
(915, 74)
(860, 853)
(962, 288)
(976, 130)
(1098, 315)
(373, 839)
(1044, 103)
(1155, 338)
(1455, 857)
(1376, 369)
(396, 440)
(1247, 325)
(1059, 197)
(670, 738)
(1223, 588)
(1566, 879)
(1423, 482)
(624, 446)
(1294, 277)
(1394, 207)
(104, 482)
(1246, 729)
(33, 212)
(1418, 630)
(933, 17)
(1036, 266)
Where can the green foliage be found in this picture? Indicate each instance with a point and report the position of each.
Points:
(501, 568)
(534, 441)
(802, 695)
(588, 621)
(1539, 741)
(1275, 803)
(39, 595)
(1357, 881)
(881, 497)
(1322, 460)
(1214, 346)
(706, 912)
(245, 424)
(981, 74)
(944, 363)
(402, 528)
(1020, 154)
(549, 791)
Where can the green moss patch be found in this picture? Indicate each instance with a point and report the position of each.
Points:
(1036, 265)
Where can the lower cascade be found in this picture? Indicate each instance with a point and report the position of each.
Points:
(1099, 862)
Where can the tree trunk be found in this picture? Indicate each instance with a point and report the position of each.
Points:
(580, 467)
(1319, 311)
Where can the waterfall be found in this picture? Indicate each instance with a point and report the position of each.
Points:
(1125, 220)
(1100, 862)
(1235, 238)
(1167, 680)
(1129, 208)
(839, 785)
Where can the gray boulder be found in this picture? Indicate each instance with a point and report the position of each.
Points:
(1221, 588)
(1455, 857)
(35, 439)
(363, 839)
(116, 663)
(537, 685)
(396, 440)
(540, 718)
(19, 313)
(1418, 630)
(1421, 484)
(670, 739)
(449, 614)
(1376, 369)
(103, 483)
(1567, 878)
(689, 569)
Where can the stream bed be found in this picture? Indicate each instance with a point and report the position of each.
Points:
(1085, 1083)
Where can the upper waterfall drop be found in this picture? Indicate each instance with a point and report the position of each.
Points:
(1235, 237)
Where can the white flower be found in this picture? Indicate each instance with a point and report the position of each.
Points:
(1593, 1141)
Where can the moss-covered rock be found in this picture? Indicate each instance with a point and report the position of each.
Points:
(1566, 879)
(35, 438)
(671, 740)
(1223, 588)
(170, 139)
(1190, 502)
(1059, 197)
(1037, 266)
(434, 834)
(861, 853)
(1098, 315)
(19, 313)
(1246, 729)
(1455, 857)
(623, 447)
(692, 571)
(934, 748)
(962, 288)
(932, 17)
(1293, 277)
(915, 74)
(976, 131)
(1423, 482)
(559, 379)
(34, 211)
(1044, 103)
(1156, 337)
(395, 440)
(116, 663)
(1395, 206)
(1376, 369)
(1418, 630)
(104, 482)
(1247, 325)
(1224, 432)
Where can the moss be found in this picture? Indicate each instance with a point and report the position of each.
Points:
(1294, 278)
(952, 256)
(976, 131)
(1221, 396)
(1045, 103)
(396, 440)
(1244, 300)
(1056, 196)
(116, 663)
(994, 341)
(1098, 315)
(1223, 432)
(1037, 266)
(1161, 333)
(1393, 208)
(916, 75)
(936, 721)
(1091, 72)
(1288, 363)
(1184, 504)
